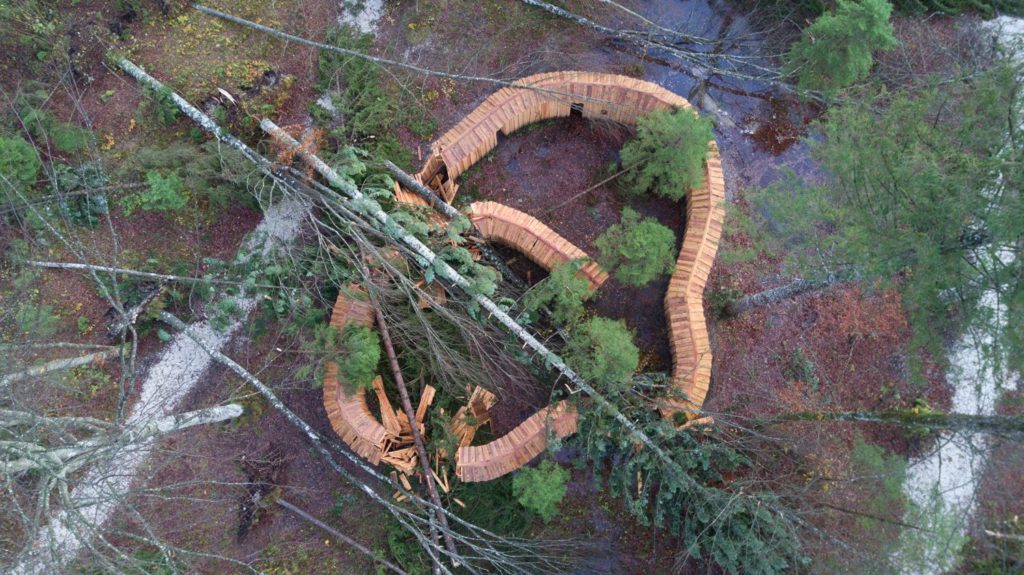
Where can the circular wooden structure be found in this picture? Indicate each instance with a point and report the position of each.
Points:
(591, 95)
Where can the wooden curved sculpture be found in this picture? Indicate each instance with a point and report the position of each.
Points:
(526, 234)
(592, 95)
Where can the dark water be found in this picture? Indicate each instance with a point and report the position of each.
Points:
(765, 127)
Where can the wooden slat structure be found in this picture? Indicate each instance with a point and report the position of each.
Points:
(516, 448)
(684, 302)
(350, 413)
(525, 233)
(593, 95)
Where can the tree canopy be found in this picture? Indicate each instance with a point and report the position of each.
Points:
(666, 157)
(837, 49)
(923, 190)
(636, 250)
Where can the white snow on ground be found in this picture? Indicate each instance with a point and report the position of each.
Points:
(168, 381)
(363, 14)
(942, 486)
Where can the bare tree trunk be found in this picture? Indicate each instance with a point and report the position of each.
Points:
(135, 273)
(426, 258)
(936, 421)
(792, 290)
(58, 365)
(339, 535)
(93, 450)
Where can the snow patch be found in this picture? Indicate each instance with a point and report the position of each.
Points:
(361, 14)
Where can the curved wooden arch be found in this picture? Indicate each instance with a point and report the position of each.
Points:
(525, 233)
(350, 414)
(621, 99)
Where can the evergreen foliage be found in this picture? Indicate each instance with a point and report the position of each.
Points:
(162, 105)
(87, 208)
(540, 489)
(563, 293)
(666, 157)
(924, 193)
(19, 162)
(837, 49)
(215, 175)
(165, 194)
(601, 350)
(365, 108)
(636, 250)
(358, 353)
(741, 533)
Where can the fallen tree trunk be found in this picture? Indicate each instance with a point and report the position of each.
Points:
(136, 273)
(931, 420)
(792, 289)
(427, 259)
(310, 434)
(70, 458)
(424, 257)
(58, 365)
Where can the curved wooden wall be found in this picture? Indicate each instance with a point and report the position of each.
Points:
(517, 447)
(350, 414)
(526, 234)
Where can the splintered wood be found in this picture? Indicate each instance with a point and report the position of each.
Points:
(472, 416)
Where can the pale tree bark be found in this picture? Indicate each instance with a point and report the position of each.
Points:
(426, 258)
(57, 365)
(21, 456)
(518, 558)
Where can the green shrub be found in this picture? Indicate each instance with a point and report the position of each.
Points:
(601, 350)
(165, 194)
(37, 321)
(540, 489)
(666, 157)
(563, 293)
(357, 357)
(68, 137)
(162, 106)
(19, 162)
(83, 209)
(636, 251)
(837, 49)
